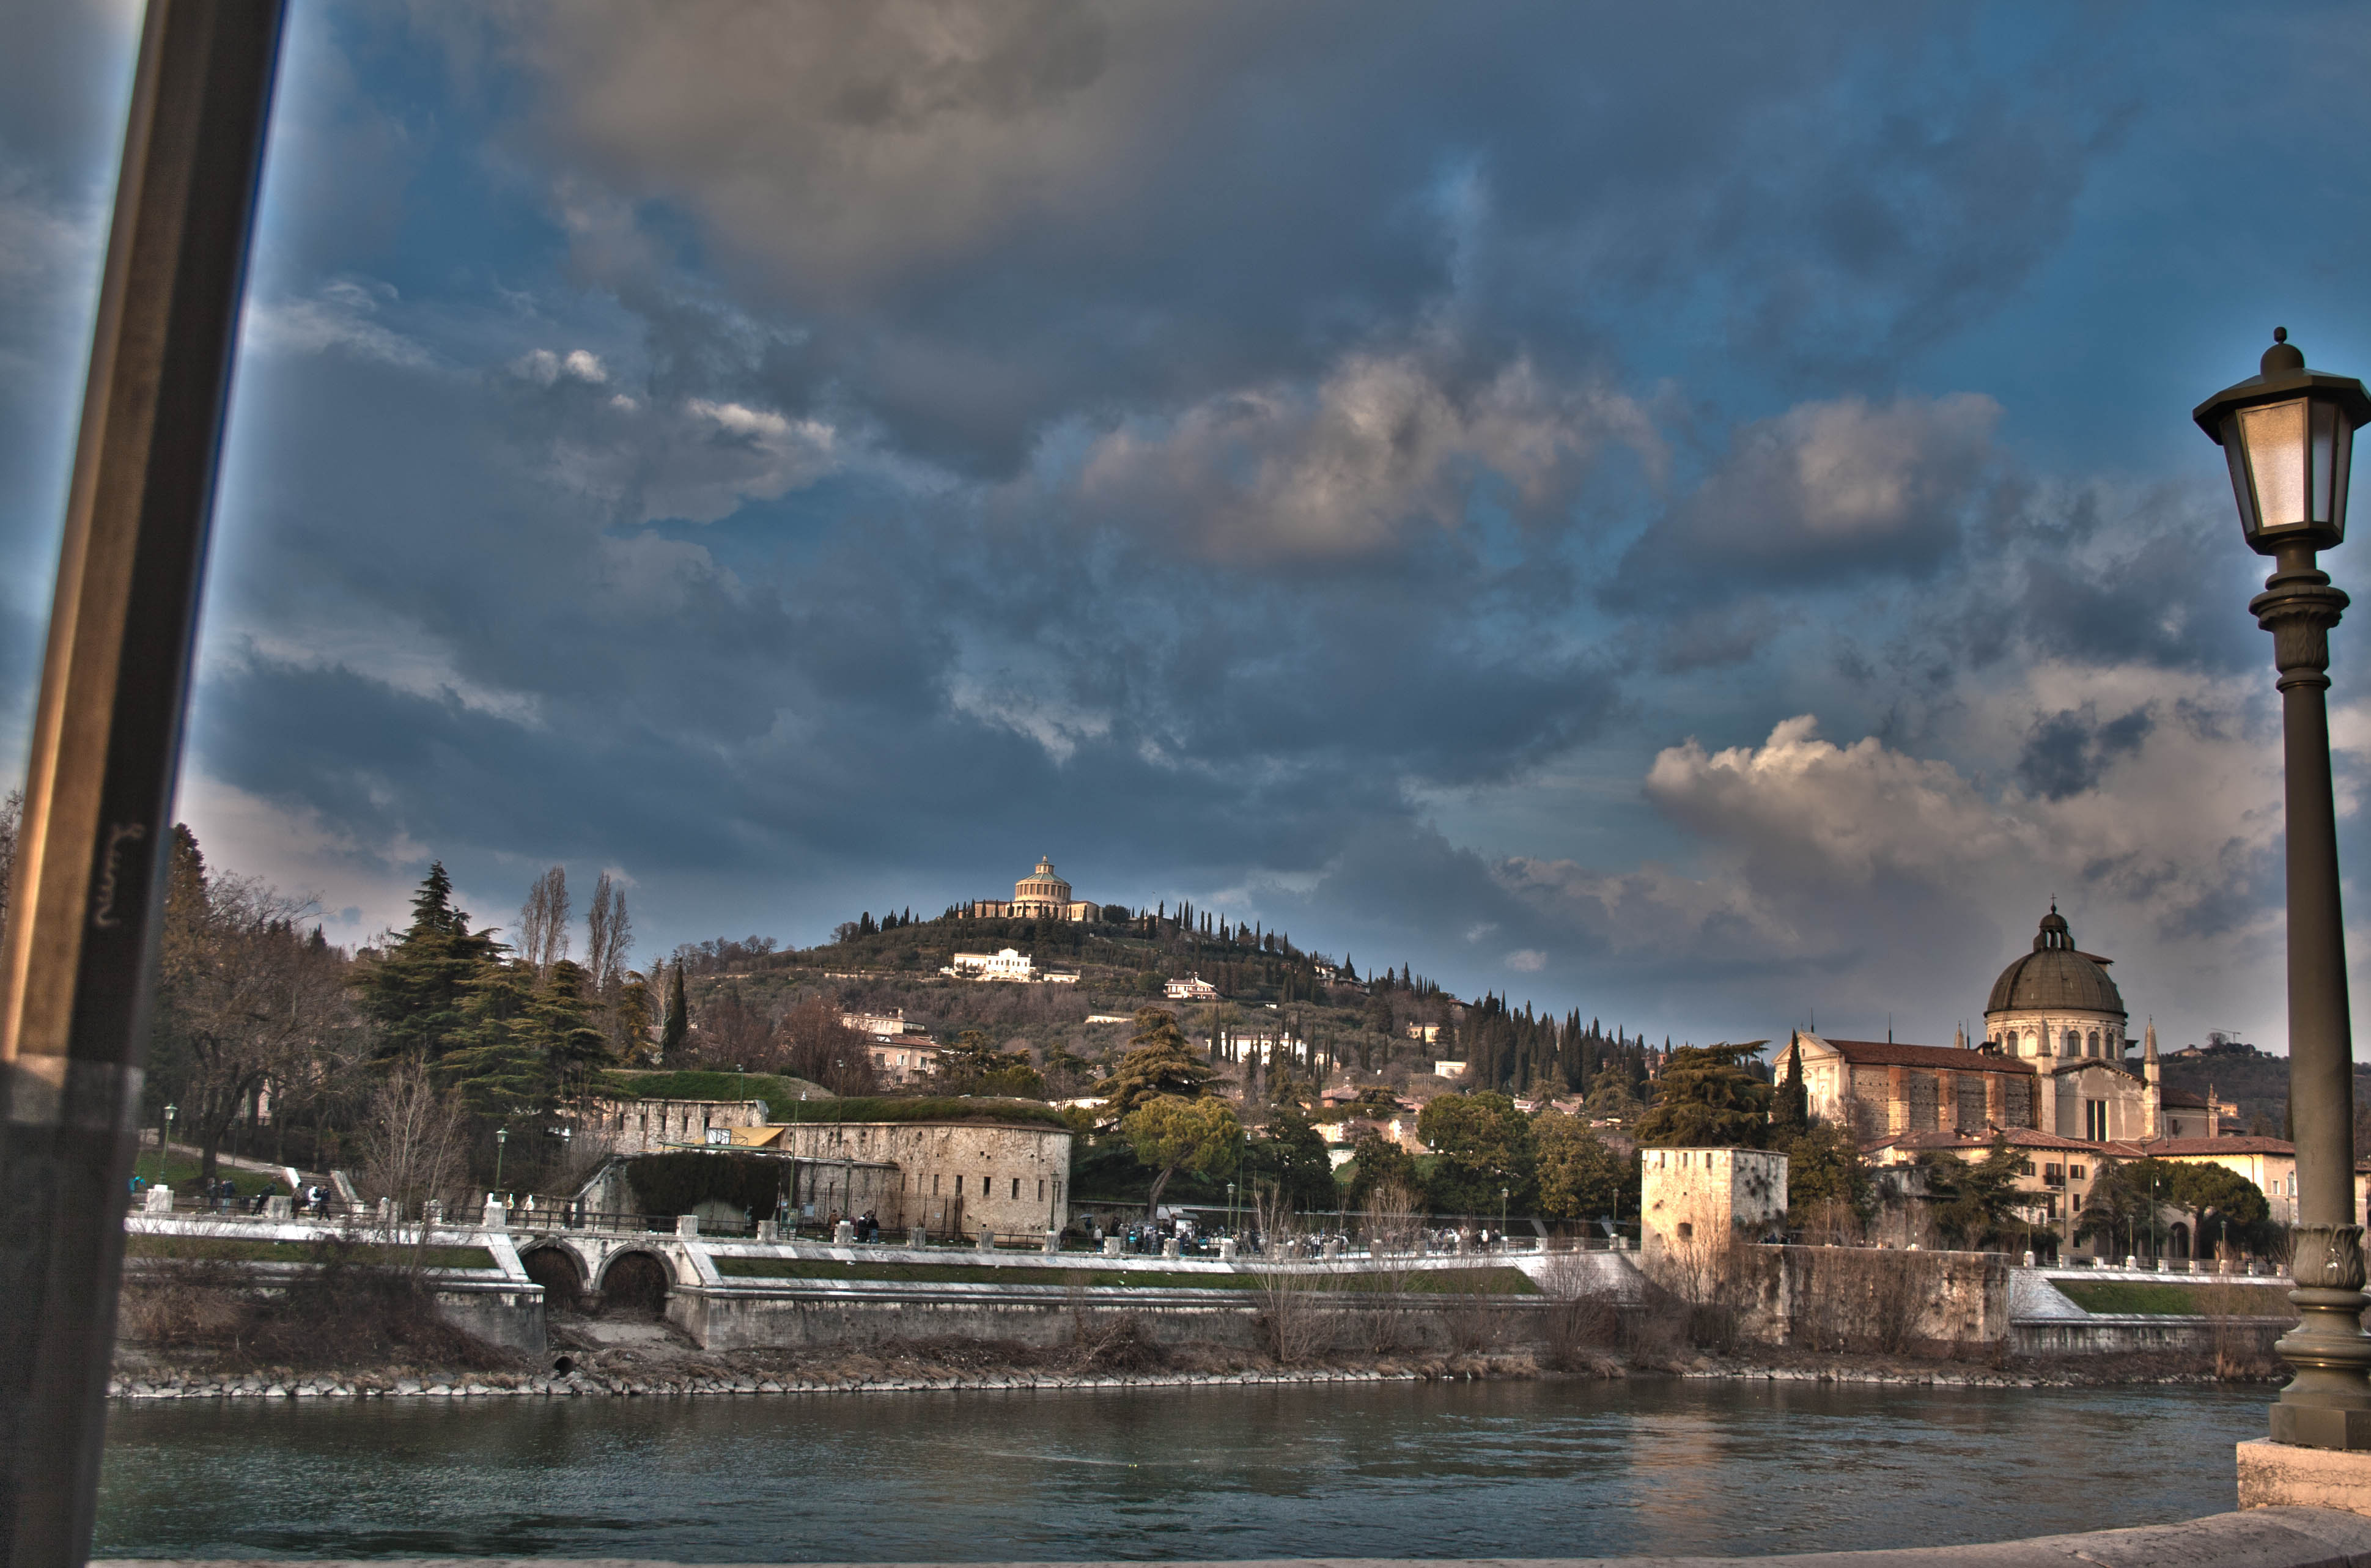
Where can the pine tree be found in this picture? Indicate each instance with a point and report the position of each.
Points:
(1790, 1110)
(418, 990)
(677, 1028)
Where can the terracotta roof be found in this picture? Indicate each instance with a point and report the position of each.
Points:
(1886, 1054)
(2240, 1144)
(2183, 1098)
(2016, 1137)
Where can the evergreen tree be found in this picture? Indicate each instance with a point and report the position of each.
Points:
(1293, 1159)
(563, 1020)
(1827, 1188)
(494, 1059)
(1376, 1162)
(1158, 1062)
(1790, 1110)
(1581, 1177)
(1481, 1143)
(1706, 1099)
(1970, 1201)
(677, 1028)
(419, 989)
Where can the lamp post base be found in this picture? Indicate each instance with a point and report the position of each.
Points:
(2328, 1403)
(2321, 1427)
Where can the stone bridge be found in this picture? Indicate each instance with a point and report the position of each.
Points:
(591, 1266)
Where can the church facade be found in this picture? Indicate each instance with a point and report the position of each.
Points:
(1040, 896)
(2052, 1078)
(2052, 1059)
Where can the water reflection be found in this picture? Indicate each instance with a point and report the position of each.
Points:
(1516, 1470)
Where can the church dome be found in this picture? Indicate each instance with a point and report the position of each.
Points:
(2054, 977)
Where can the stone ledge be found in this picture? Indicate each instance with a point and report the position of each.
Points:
(2275, 1475)
(2269, 1536)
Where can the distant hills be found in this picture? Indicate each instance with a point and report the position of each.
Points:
(2255, 1080)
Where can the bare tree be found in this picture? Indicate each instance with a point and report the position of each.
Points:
(246, 997)
(812, 1043)
(1300, 1299)
(608, 937)
(414, 1139)
(543, 922)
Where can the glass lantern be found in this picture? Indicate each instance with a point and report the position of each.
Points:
(2288, 435)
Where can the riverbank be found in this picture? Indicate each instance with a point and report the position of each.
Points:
(647, 1360)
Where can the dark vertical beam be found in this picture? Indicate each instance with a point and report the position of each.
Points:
(86, 907)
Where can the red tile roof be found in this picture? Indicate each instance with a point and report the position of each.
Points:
(1887, 1054)
(2238, 1143)
(2017, 1137)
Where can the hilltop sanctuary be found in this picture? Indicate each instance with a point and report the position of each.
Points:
(1040, 896)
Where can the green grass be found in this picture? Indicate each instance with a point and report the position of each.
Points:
(239, 1250)
(783, 1104)
(1487, 1282)
(180, 1171)
(779, 1093)
(2122, 1296)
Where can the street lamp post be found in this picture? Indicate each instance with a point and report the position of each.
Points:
(501, 1136)
(2288, 435)
(164, 1140)
(1502, 1219)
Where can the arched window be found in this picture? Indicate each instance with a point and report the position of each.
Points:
(2074, 1044)
(2091, 1046)
(2029, 1048)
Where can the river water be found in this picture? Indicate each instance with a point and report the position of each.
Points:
(1559, 1468)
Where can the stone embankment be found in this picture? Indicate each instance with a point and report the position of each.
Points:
(598, 1384)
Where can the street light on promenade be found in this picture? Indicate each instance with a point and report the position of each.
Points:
(2288, 435)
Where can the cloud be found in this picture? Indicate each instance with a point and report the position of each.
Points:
(985, 220)
(1825, 493)
(1342, 468)
(1889, 878)
(340, 316)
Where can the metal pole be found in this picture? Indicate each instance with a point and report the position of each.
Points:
(2328, 1403)
(88, 901)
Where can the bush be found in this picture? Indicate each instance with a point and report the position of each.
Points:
(333, 1314)
(680, 1183)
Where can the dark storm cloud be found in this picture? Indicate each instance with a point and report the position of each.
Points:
(815, 457)
(1825, 493)
(2067, 751)
(986, 220)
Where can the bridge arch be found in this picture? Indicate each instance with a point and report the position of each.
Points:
(557, 1268)
(637, 1279)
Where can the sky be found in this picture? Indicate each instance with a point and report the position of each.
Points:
(1685, 513)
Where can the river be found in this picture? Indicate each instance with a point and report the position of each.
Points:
(1552, 1469)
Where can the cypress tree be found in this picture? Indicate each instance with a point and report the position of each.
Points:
(677, 1027)
(1790, 1112)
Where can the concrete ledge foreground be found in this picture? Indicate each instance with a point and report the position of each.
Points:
(2259, 1537)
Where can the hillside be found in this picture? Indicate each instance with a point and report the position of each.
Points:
(2257, 1080)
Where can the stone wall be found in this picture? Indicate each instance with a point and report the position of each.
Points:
(953, 1176)
(1696, 1198)
(856, 1315)
(1870, 1299)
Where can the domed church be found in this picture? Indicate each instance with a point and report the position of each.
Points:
(2056, 1001)
(1040, 896)
(2051, 1062)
